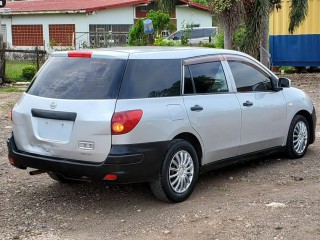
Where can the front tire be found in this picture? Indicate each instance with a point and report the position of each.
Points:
(179, 173)
(298, 137)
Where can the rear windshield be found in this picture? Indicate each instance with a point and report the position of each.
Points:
(79, 78)
(150, 78)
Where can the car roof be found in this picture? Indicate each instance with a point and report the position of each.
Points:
(152, 52)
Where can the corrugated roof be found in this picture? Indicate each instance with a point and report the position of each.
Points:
(36, 6)
(69, 5)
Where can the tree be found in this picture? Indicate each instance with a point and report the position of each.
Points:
(257, 25)
(255, 16)
(160, 21)
(230, 14)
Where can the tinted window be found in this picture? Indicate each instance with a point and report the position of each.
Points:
(248, 78)
(209, 32)
(175, 36)
(151, 78)
(196, 33)
(208, 77)
(79, 78)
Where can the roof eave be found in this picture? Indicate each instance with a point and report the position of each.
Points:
(43, 12)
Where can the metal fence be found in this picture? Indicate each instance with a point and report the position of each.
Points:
(100, 39)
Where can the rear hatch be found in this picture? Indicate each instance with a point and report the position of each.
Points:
(67, 110)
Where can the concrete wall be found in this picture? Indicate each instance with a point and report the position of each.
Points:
(82, 21)
(125, 15)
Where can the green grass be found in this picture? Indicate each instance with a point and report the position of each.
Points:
(14, 70)
(9, 89)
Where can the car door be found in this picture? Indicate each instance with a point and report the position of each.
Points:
(214, 112)
(263, 108)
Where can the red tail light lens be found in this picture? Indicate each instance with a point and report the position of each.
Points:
(80, 54)
(11, 115)
(124, 122)
(111, 177)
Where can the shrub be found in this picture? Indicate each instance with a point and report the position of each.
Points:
(207, 44)
(28, 72)
(159, 41)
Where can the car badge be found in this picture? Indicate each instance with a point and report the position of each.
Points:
(53, 105)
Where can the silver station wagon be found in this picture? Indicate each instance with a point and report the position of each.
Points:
(156, 115)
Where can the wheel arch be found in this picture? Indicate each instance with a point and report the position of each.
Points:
(309, 118)
(194, 141)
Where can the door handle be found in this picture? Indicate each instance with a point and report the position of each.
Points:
(196, 108)
(247, 104)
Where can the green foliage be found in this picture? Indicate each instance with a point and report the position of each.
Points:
(185, 36)
(167, 6)
(207, 44)
(9, 89)
(14, 70)
(219, 41)
(238, 39)
(160, 21)
(298, 12)
(287, 69)
(28, 72)
(203, 2)
(220, 6)
(159, 41)
(137, 37)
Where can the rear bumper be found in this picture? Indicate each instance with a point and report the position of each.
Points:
(131, 163)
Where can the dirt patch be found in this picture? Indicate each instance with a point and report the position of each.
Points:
(272, 198)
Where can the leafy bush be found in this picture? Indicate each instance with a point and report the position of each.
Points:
(28, 72)
(207, 44)
(219, 41)
(160, 41)
(238, 38)
(160, 21)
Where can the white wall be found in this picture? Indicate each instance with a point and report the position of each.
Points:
(125, 15)
(82, 21)
(186, 15)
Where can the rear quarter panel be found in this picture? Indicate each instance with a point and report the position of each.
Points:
(162, 119)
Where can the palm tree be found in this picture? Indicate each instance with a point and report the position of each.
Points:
(255, 14)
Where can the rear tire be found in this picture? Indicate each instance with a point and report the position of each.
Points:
(179, 173)
(62, 179)
(298, 137)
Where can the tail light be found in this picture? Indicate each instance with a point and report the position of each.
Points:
(80, 54)
(124, 122)
(11, 115)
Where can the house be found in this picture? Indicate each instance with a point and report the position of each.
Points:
(84, 23)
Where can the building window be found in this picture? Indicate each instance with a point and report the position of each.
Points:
(27, 35)
(62, 34)
(104, 35)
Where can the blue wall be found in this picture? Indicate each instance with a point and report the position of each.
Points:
(295, 50)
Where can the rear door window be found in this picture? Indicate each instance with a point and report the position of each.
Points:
(79, 78)
(207, 78)
(150, 78)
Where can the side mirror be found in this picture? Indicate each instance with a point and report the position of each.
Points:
(284, 82)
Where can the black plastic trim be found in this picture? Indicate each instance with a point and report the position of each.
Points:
(132, 163)
(57, 115)
(241, 159)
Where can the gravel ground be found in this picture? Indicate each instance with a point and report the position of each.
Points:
(272, 198)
